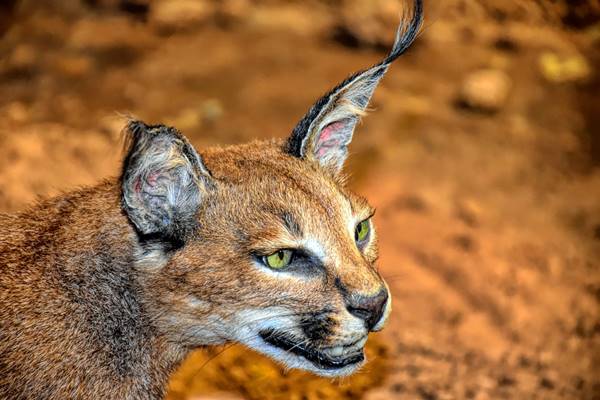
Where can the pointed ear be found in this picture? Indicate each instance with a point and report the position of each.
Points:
(324, 133)
(163, 182)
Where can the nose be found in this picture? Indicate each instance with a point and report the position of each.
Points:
(368, 308)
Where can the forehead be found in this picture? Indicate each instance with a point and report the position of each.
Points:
(260, 177)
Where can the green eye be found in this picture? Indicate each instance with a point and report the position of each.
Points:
(279, 259)
(362, 231)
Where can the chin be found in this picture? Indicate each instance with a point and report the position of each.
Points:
(293, 353)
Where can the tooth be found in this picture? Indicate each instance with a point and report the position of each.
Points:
(336, 351)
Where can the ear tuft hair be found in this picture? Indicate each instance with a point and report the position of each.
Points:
(163, 182)
(324, 133)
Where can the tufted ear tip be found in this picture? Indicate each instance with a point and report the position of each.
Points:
(324, 133)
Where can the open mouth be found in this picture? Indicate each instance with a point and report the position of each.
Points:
(310, 353)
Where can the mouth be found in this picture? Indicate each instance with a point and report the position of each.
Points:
(326, 359)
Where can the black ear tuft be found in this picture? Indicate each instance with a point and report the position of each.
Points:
(163, 182)
(324, 133)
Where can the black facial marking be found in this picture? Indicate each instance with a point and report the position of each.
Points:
(340, 286)
(317, 327)
(309, 352)
(291, 224)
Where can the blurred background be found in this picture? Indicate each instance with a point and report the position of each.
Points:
(481, 154)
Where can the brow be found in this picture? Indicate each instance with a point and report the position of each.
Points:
(291, 223)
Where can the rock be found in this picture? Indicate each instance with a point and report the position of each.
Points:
(17, 111)
(469, 211)
(180, 14)
(234, 10)
(187, 119)
(105, 33)
(482, 396)
(289, 18)
(558, 69)
(485, 90)
(74, 65)
(371, 23)
(23, 57)
(427, 393)
(412, 202)
(547, 383)
(193, 117)
(211, 110)
(464, 242)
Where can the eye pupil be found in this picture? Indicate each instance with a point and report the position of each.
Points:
(362, 231)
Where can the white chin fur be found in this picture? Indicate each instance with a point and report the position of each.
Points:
(253, 322)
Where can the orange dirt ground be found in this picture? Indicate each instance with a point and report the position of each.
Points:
(481, 154)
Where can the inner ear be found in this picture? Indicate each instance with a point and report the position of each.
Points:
(331, 144)
(163, 183)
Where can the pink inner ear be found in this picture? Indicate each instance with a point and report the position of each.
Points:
(151, 180)
(328, 139)
(329, 130)
(138, 185)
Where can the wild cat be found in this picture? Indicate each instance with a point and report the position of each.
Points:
(104, 290)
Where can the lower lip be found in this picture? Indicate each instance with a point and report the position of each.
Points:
(321, 360)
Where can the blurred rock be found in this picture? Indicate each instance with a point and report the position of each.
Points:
(187, 119)
(485, 90)
(556, 68)
(469, 211)
(180, 14)
(417, 105)
(464, 242)
(23, 57)
(99, 34)
(7, 9)
(109, 4)
(207, 113)
(411, 202)
(211, 110)
(482, 396)
(74, 65)
(234, 10)
(290, 18)
(371, 23)
(136, 8)
(547, 383)
(506, 43)
(16, 111)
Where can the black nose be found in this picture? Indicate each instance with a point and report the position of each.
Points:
(368, 308)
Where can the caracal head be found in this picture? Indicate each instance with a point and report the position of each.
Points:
(262, 243)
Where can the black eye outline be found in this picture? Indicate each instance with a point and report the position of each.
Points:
(364, 223)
